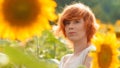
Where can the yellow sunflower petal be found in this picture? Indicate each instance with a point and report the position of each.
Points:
(106, 54)
(22, 19)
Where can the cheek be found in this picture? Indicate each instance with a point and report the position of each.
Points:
(67, 28)
(80, 28)
(66, 31)
(81, 31)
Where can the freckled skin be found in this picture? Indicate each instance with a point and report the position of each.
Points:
(75, 30)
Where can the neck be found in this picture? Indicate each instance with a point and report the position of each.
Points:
(80, 45)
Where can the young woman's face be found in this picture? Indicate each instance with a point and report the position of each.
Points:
(75, 30)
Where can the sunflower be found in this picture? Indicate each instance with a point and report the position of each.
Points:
(117, 29)
(106, 27)
(21, 19)
(110, 28)
(106, 54)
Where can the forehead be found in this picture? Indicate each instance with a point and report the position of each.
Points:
(81, 19)
(73, 19)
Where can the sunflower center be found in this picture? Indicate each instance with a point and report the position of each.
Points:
(20, 12)
(105, 56)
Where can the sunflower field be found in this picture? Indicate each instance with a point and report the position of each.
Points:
(28, 38)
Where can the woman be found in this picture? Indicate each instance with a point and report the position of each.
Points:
(77, 23)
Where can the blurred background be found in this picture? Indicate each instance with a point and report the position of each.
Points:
(106, 10)
(39, 47)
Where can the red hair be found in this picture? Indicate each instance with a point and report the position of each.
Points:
(76, 12)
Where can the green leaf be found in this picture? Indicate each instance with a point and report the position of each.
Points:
(19, 57)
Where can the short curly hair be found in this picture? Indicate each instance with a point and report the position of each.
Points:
(76, 12)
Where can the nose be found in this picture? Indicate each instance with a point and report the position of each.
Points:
(71, 26)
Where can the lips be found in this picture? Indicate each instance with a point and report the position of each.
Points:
(71, 33)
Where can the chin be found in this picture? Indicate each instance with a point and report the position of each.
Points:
(72, 38)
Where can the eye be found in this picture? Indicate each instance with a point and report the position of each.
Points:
(77, 21)
(66, 22)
